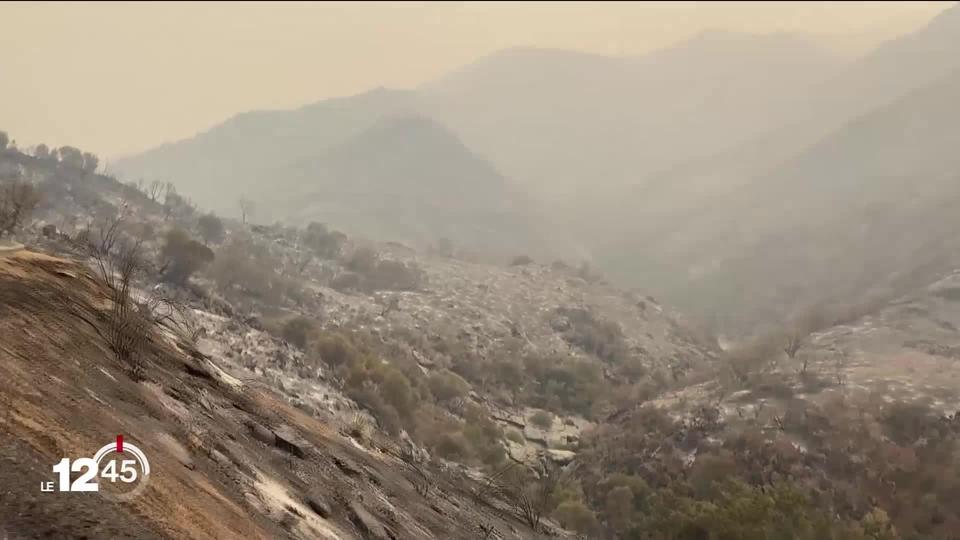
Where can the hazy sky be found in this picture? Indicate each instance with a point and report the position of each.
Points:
(115, 78)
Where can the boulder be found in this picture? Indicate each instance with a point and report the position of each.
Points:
(561, 457)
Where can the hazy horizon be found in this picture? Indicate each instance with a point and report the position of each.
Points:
(86, 69)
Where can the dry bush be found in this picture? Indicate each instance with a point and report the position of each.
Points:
(118, 261)
(246, 267)
(367, 272)
(748, 362)
(183, 257)
(359, 427)
(800, 328)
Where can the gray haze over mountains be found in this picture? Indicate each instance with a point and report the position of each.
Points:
(728, 160)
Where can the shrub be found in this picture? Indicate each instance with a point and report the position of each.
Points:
(604, 339)
(453, 446)
(324, 243)
(335, 349)
(574, 515)
(749, 361)
(17, 201)
(396, 391)
(367, 396)
(619, 507)
(484, 435)
(183, 256)
(298, 331)
(211, 229)
(175, 205)
(521, 260)
(248, 267)
(542, 419)
(447, 386)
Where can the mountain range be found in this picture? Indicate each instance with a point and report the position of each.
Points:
(687, 170)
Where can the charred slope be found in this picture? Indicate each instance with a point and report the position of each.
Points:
(230, 460)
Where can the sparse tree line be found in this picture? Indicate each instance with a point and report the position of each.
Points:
(67, 156)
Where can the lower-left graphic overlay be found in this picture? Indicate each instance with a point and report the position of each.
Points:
(117, 471)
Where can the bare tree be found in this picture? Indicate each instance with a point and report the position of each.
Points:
(155, 189)
(246, 209)
(839, 366)
(800, 330)
(533, 498)
(118, 261)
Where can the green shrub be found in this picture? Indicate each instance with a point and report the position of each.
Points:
(447, 386)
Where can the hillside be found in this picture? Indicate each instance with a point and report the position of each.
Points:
(873, 134)
(861, 209)
(549, 121)
(310, 384)
(408, 178)
(367, 163)
(309, 390)
(241, 154)
(232, 459)
(861, 425)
